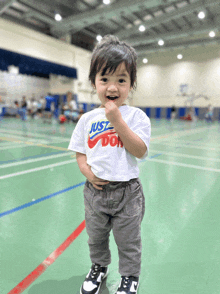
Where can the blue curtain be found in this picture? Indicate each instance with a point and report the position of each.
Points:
(33, 66)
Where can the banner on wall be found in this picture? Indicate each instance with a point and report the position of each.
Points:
(34, 66)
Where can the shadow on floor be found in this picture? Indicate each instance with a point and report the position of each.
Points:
(63, 287)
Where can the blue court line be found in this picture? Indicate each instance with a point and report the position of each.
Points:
(54, 194)
(31, 157)
(156, 155)
(40, 200)
(150, 157)
(198, 139)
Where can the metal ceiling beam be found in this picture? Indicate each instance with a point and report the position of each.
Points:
(46, 19)
(5, 5)
(78, 22)
(123, 34)
(174, 35)
(22, 23)
(192, 43)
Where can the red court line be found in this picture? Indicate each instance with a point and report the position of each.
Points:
(47, 262)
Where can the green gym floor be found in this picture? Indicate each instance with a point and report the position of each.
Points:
(41, 205)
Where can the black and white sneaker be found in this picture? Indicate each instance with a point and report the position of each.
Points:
(128, 285)
(93, 280)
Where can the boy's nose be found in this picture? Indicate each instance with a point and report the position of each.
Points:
(112, 87)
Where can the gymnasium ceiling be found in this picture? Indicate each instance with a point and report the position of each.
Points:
(174, 21)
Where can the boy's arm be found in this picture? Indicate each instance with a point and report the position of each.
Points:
(87, 172)
(132, 142)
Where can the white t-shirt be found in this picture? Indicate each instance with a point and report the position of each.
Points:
(73, 105)
(108, 158)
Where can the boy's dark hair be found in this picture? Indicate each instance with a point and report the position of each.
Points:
(108, 54)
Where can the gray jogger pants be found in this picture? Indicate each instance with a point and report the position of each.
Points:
(119, 206)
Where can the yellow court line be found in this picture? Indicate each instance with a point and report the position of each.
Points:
(10, 139)
(31, 143)
(52, 147)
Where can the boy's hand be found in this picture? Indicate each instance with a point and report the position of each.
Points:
(112, 112)
(96, 182)
(87, 172)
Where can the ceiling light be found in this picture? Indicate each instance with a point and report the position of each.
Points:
(145, 60)
(58, 17)
(142, 28)
(212, 34)
(106, 2)
(179, 56)
(201, 15)
(161, 42)
(99, 38)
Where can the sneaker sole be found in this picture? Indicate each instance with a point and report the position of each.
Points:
(100, 283)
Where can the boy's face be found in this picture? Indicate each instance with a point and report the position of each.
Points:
(113, 86)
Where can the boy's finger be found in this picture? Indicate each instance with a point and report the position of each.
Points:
(101, 183)
(97, 187)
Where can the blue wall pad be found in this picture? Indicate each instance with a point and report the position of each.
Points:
(158, 112)
(197, 111)
(85, 107)
(34, 66)
(182, 111)
(169, 112)
(148, 111)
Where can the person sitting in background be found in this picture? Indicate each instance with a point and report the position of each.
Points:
(1, 108)
(16, 103)
(23, 109)
(73, 105)
(23, 102)
(34, 107)
(62, 117)
(71, 111)
(209, 113)
(49, 107)
(16, 107)
(173, 112)
(68, 115)
(190, 115)
(65, 111)
(74, 112)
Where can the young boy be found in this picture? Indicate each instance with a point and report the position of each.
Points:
(107, 141)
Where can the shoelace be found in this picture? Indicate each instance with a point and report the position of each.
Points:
(95, 271)
(125, 282)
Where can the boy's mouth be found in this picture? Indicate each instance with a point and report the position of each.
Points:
(112, 97)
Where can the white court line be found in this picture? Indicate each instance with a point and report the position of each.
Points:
(198, 144)
(5, 144)
(35, 140)
(74, 160)
(21, 144)
(34, 160)
(185, 155)
(28, 133)
(184, 165)
(181, 133)
(27, 139)
(27, 144)
(28, 171)
(60, 140)
(187, 146)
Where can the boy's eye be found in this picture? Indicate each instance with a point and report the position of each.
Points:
(104, 80)
(121, 81)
